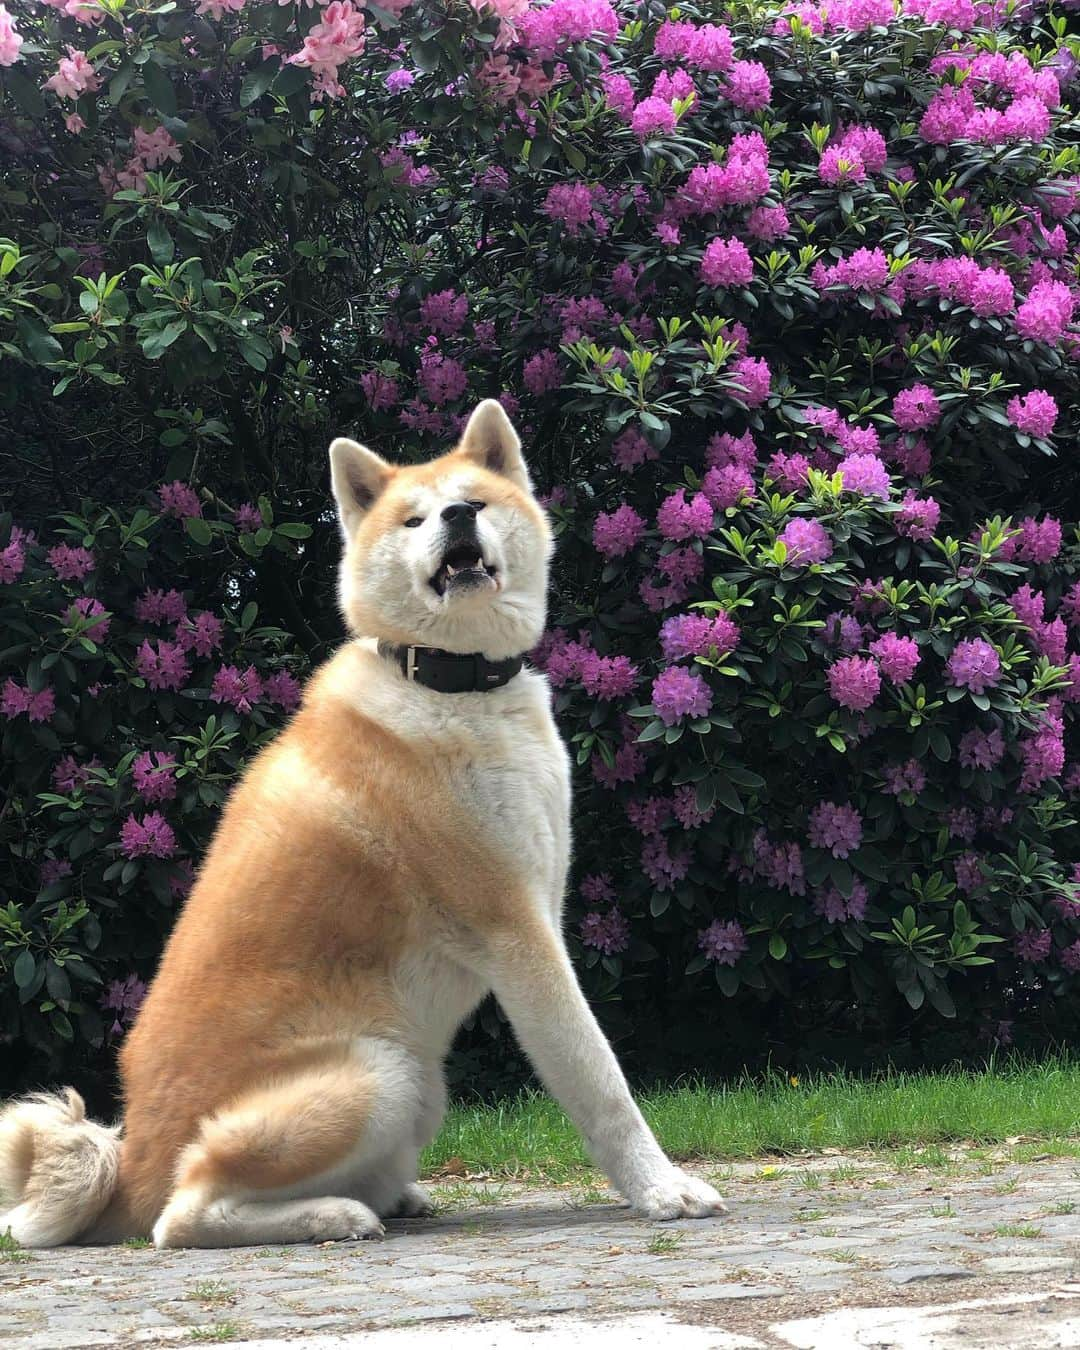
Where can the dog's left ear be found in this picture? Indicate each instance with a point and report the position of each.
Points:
(491, 441)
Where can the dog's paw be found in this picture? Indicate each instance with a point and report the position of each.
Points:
(680, 1196)
(415, 1203)
(334, 1220)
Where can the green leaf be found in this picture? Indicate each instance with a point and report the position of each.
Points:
(659, 903)
(160, 242)
(290, 80)
(256, 82)
(25, 969)
(294, 529)
(198, 529)
(159, 89)
(25, 93)
(727, 795)
(777, 947)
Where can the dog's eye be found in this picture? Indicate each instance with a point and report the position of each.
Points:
(478, 506)
(413, 522)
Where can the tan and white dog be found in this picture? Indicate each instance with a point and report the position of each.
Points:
(396, 853)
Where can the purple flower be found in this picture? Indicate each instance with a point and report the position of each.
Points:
(726, 262)
(542, 373)
(1039, 541)
(652, 115)
(179, 500)
(866, 475)
(608, 933)
(836, 908)
(632, 449)
(685, 806)
(916, 408)
(16, 699)
(397, 81)
(754, 380)
(676, 694)
(150, 837)
(682, 519)
(897, 657)
(1070, 956)
(969, 874)
(165, 668)
(837, 828)
(160, 607)
(241, 691)
(596, 889)
(686, 635)
(1033, 944)
(981, 749)
(283, 689)
(201, 633)
(124, 998)
(901, 778)
(662, 867)
(153, 775)
(973, 665)
(247, 518)
(87, 608)
(918, 517)
(807, 542)
(730, 485)
(723, 942)
(13, 556)
(607, 677)
(617, 532)
(854, 682)
(70, 564)
(53, 870)
(1035, 414)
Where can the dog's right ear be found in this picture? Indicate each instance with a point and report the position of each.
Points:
(358, 476)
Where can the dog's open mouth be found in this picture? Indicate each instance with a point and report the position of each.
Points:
(462, 567)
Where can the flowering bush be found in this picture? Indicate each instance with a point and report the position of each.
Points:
(126, 711)
(784, 298)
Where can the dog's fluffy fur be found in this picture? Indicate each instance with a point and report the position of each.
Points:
(394, 855)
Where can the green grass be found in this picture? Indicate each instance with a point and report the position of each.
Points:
(915, 1113)
(10, 1251)
(218, 1331)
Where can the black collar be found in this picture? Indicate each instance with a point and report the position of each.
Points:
(451, 672)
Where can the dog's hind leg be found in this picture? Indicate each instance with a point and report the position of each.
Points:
(275, 1165)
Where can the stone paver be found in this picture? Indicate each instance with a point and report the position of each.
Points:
(803, 1242)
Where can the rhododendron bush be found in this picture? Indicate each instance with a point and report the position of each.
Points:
(784, 298)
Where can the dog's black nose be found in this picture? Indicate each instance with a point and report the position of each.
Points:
(459, 511)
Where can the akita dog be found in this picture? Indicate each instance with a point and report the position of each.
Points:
(399, 850)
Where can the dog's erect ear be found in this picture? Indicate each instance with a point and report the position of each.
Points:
(490, 439)
(357, 476)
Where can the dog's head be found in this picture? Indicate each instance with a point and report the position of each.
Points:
(453, 553)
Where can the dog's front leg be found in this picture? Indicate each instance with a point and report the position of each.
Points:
(534, 981)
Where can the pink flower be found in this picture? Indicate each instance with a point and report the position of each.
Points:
(632, 449)
(686, 810)
(442, 379)
(160, 607)
(75, 75)
(87, 608)
(768, 223)
(686, 635)
(1035, 414)
(807, 542)
(153, 774)
(337, 39)
(596, 889)
(678, 518)
(124, 998)
(726, 263)
(897, 657)
(607, 677)
(444, 312)
(150, 837)
(729, 486)
(381, 391)
(969, 875)
(577, 205)
(616, 533)
(1043, 754)
(652, 115)
(17, 699)
(854, 682)
(788, 472)
(155, 148)
(10, 40)
(780, 865)
(247, 518)
(723, 942)
(166, 668)
(241, 691)
(13, 556)
(608, 933)
(866, 475)
(1046, 312)
(1070, 956)
(629, 764)
(676, 694)
(283, 689)
(200, 633)
(749, 86)
(981, 749)
(918, 517)
(837, 908)
(916, 408)
(837, 828)
(620, 94)
(754, 380)
(841, 164)
(1039, 541)
(70, 564)
(179, 500)
(69, 775)
(973, 665)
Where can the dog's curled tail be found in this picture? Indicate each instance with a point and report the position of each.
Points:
(58, 1170)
